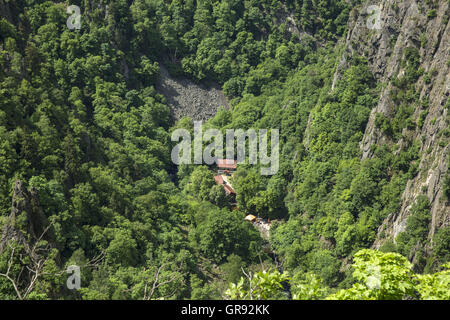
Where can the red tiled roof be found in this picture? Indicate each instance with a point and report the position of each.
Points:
(226, 163)
(220, 181)
(229, 190)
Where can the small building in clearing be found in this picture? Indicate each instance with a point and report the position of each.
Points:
(227, 166)
(221, 181)
(250, 218)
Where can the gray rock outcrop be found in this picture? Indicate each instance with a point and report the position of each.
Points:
(403, 24)
(186, 98)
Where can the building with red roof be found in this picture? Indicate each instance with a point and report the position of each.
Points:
(228, 189)
(226, 164)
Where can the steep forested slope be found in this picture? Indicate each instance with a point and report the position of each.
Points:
(85, 144)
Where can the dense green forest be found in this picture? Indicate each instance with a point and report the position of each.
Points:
(85, 153)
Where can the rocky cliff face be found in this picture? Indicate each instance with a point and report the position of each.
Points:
(382, 38)
(27, 222)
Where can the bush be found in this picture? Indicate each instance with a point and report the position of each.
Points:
(432, 14)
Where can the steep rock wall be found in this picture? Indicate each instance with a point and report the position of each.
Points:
(403, 24)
